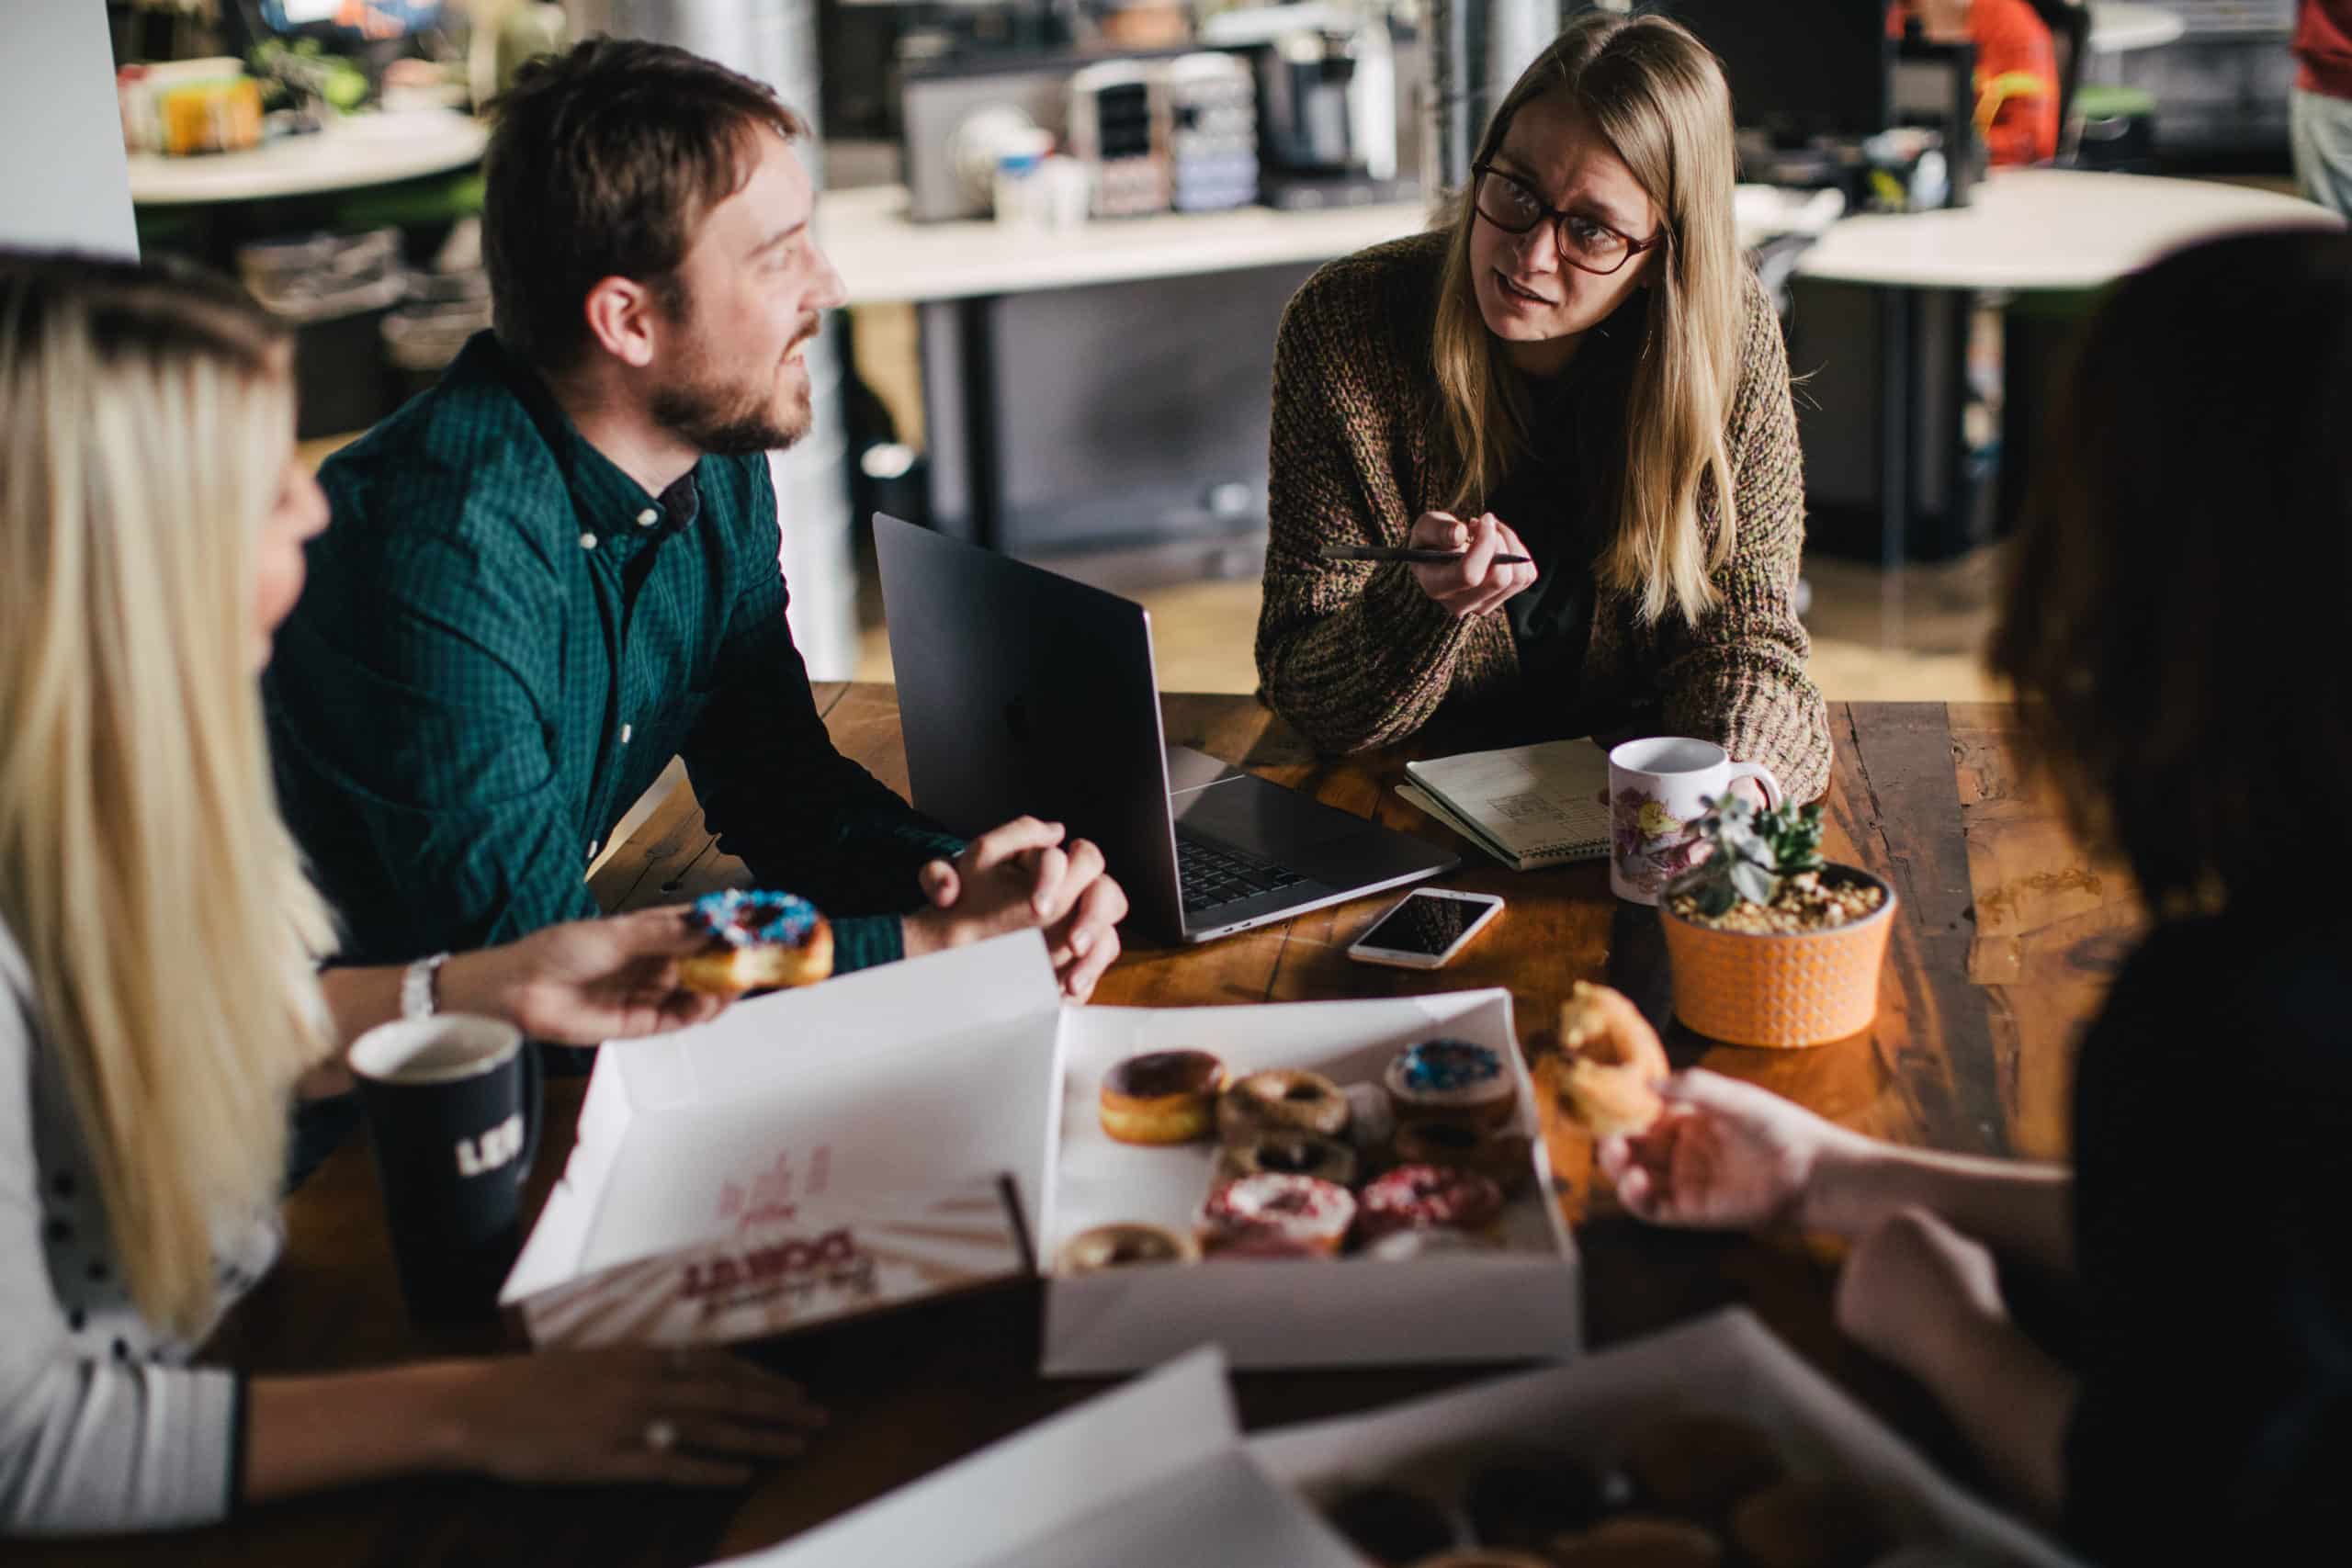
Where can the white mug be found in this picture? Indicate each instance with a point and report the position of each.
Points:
(1658, 788)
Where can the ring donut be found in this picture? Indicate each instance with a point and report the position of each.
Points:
(1428, 1197)
(1274, 1215)
(1282, 1101)
(1123, 1246)
(1289, 1153)
(1610, 1061)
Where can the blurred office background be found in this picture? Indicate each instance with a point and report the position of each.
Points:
(1068, 228)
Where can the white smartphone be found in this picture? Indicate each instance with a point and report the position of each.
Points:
(1428, 927)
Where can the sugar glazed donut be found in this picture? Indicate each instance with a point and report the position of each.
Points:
(1428, 1197)
(1452, 1080)
(1283, 1100)
(1611, 1060)
(1162, 1097)
(756, 941)
(1289, 1153)
(1122, 1246)
(1275, 1215)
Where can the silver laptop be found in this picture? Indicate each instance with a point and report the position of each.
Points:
(1022, 691)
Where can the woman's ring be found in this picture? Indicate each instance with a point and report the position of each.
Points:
(660, 1436)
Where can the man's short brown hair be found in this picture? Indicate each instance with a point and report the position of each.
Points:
(604, 161)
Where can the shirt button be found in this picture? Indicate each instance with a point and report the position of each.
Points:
(587, 541)
(626, 731)
(646, 518)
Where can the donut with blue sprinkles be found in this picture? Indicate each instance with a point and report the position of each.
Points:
(741, 919)
(1452, 1081)
(756, 942)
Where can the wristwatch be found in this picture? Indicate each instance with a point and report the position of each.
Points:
(416, 986)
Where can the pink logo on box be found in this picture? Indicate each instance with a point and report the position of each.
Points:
(776, 1190)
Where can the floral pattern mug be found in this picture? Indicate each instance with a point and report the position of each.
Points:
(1658, 788)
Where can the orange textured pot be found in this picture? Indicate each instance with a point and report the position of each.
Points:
(1784, 990)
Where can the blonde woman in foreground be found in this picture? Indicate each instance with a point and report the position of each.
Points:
(1576, 368)
(159, 994)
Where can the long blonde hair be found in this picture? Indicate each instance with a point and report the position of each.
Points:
(144, 870)
(1659, 99)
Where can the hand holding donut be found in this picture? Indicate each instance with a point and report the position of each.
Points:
(1725, 1156)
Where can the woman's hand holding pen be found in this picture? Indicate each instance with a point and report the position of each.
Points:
(1474, 584)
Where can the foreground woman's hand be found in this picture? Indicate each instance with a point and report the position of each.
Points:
(1474, 584)
(683, 1417)
(688, 1418)
(1725, 1156)
(585, 982)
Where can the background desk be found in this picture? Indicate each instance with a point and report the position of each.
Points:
(2003, 947)
(2041, 232)
(1109, 383)
(364, 150)
(1104, 385)
(2116, 29)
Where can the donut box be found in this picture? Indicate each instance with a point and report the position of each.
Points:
(1157, 1474)
(1723, 1367)
(1516, 1299)
(806, 1156)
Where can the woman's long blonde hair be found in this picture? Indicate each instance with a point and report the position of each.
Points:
(144, 418)
(1659, 98)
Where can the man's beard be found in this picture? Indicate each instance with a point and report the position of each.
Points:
(725, 420)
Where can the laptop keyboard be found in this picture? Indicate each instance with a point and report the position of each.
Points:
(1212, 876)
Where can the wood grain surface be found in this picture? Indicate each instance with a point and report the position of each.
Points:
(2005, 941)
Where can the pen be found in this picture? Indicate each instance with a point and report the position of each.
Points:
(1410, 558)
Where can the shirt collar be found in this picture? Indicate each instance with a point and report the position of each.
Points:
(609, 502)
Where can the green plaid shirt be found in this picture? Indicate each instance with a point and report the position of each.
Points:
(504, 640)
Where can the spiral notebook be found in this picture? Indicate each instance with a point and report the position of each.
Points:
(1528, 806)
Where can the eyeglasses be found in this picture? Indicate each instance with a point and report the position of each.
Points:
(1512, 205)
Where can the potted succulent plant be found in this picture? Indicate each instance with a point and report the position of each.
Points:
(1771, 944)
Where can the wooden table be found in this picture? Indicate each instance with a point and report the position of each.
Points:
(2003, 944)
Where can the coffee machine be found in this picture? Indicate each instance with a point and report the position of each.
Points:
(1327, 102)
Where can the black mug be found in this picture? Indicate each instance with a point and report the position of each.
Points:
(453, 1109)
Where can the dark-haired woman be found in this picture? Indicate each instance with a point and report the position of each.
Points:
(2165, 625)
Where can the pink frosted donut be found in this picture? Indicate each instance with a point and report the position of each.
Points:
(1428, 1197)
(1274, 1215)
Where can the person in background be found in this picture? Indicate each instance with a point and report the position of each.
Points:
(559, 568)
(1576, 368)
(2171, 686)
(2017, 70)
(159, 940)
(2320, 112)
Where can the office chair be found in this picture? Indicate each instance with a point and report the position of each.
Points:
(2069, 22)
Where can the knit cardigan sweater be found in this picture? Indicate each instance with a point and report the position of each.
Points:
(1356, 656)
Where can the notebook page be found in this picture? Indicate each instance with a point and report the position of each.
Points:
(1542, 804)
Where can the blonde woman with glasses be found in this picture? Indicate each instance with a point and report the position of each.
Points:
(159, 994)
(1575, 369)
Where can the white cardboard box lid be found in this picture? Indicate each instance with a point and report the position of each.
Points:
(1726, 1363)
(1350, 1311)
(1150, 1475)
(905, 1078)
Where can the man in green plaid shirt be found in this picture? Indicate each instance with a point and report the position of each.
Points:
(559, 567)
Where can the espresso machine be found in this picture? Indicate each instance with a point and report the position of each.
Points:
(1327, 102)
